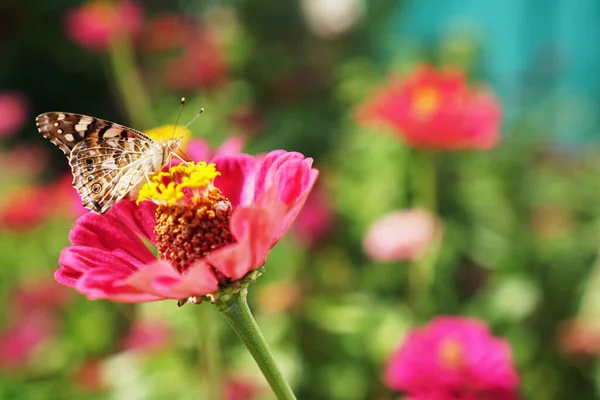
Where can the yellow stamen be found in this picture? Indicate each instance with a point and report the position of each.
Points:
(165, 132)
(198, 177)
(425, 101)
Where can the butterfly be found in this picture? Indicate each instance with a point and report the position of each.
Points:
(109, 161)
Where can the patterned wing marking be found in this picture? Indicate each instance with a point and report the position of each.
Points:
(106, 170)
(66, 130)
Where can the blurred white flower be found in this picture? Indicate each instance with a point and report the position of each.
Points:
(331, 18)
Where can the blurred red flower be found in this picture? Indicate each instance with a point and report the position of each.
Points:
(258, 199)
(580, 336)
(453, 358)
(201, 64)
(435, 109)
(93, 24)
(24, 208)
(13, 112)
(402, 235)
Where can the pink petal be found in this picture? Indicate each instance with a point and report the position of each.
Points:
(237, 178)
(161, 279)
(254, 229)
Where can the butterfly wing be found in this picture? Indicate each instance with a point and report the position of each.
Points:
(66, 130)
(107, 170)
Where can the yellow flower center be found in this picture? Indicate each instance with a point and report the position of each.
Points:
(451, 353)
(425, 101)
(191, 180)
(192, 217)
(165, 133)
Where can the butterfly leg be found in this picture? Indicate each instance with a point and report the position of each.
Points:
(177, 156)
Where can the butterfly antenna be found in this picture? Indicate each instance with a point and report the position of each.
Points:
(178, 116)
(191, 121)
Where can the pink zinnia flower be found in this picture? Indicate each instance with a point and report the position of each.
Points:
(402, 235)
(13, 112)
(95, 23)
(436, 110)
(213, 225)
(453, 358)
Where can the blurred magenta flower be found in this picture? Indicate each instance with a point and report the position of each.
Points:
(94, 24)
(315, 220)
(199, 149)
(212, 224)
(402, 235)
(147, 336)
(453, 358)
(436, 110)
(13, 112)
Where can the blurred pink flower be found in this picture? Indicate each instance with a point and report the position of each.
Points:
(13, 112)
(93, 24)
(453, 358)
(40, 295)
(402, 235)
(202, 64)
(258, 199)
(19, 342)
(147, 336)
(316, 218)
(435, 109)
(241, 389)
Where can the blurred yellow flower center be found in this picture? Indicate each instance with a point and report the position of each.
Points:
(168, 188)
(451, 353)
(166, 132)
(425, 101)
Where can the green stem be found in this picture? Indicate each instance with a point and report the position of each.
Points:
(209, 353)
(129, 82)
(424, 181)
(238, 315)
(424, 185)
